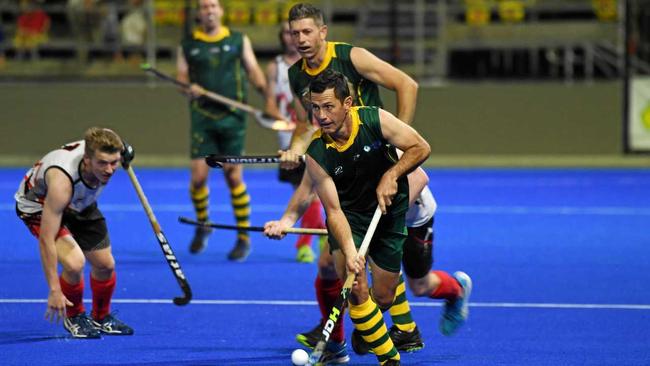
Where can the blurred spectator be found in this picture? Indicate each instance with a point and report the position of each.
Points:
(110, 29)
(84, 18)
(32, 29)
(134, 31)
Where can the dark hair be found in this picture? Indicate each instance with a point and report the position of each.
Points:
(302, 11)
(330, 79)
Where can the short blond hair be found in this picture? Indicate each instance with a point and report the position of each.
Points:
(102, 139)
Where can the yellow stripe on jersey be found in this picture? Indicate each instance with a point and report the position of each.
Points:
(329, 54)
(356, 122)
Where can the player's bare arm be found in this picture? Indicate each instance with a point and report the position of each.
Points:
(270, 104)
(255, 73)
(415, 151)
(298, 204)
(183, 75)
(58, 197)
(337, 223)
(382, 73)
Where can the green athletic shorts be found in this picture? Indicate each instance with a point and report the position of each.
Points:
(224, 136)
(387, 242)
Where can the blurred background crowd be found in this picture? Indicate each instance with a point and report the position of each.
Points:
(431, 39)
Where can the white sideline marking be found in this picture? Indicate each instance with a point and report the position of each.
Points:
(312, 303)
(457, 209)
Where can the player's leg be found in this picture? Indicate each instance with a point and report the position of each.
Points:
(455, 290)
(328, 287)
(90, 232)
(72, 261)
(102, 282)
(230, 138)
(366, 310)
(201, 144)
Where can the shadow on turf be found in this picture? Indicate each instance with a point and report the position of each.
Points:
(28, 337)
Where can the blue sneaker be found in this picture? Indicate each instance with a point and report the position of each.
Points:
(335, 354)
(112, 326)
(80, 326)
(455, 312)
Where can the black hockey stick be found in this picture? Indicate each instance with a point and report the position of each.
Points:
(265, 120)
(217, 161)
(339, 304)
(291, 230)
(164, 244)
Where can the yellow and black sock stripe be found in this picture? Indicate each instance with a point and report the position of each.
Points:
(241, 205)
(369, 322)
(201, 201)
(400, 311)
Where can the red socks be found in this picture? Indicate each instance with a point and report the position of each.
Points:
(74, 293)
(326, 293)
(312, 218)
(102, 294)
(449, 288)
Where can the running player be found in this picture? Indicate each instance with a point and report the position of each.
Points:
(280, 102)
(220, 60)
(365, 72)
(57, 201)
(354, 167)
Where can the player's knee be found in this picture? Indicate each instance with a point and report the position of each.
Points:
(383, 297)
(105, 268)
(73, 265)
(419, 287)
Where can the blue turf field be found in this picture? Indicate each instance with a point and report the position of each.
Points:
(559, 260)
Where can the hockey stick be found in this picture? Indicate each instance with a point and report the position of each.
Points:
(217, 161)
(164, 244)
(339, 305)
(291, 230)
(265, 120)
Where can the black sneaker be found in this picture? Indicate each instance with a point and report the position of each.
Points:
(359, 345)
(80, 326)
(392, 362)
(240, 251)
(112, 326)
(309, 339)
(406, 341)
(335, 354)
(403, 341)
(200, 240)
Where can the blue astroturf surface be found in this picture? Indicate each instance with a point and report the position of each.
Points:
(559, 260)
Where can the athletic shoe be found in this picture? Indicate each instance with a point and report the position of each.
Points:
(406, 341)
(359, 345)
(112, 325)
(392, 362)
(456, 311)
(200, 240)
(80, 326)
(305, 254)
(335, 354)
(240, 251)
(309, 339)
(403, 341)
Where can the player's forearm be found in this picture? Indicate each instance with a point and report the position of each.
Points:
(49, 263)
(410, 160)
(407, 93)
(298, 204)
(301, 137)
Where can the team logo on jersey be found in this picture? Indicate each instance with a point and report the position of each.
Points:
(194, 51)
(338, 170)
(366, 148)
(215, 50)
(374, 146)
(226, 48)
(356, 157)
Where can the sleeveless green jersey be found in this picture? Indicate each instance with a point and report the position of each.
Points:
(357, 166)
(363, 91)
(215, 63)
